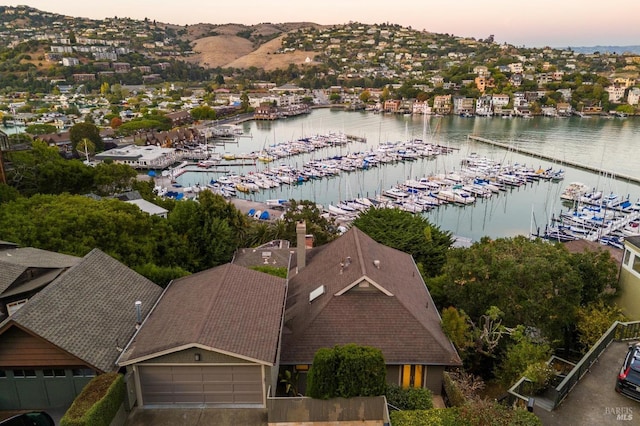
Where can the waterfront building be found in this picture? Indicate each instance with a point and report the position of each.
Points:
(141, 157)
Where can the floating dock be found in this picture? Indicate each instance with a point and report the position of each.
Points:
(556, 160)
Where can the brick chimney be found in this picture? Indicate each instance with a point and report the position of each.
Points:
(301, 244)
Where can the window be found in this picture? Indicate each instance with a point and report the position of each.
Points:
(3, 374)
(636, 263)
(411, 376)
(83, 372)
(58, 372)
(24, 374)
(627, 256)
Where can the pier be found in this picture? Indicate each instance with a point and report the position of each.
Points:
(556, 160)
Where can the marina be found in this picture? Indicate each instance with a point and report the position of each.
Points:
(513, 210)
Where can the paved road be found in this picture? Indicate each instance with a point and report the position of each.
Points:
(594, 401)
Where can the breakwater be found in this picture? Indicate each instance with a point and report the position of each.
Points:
(574, 164)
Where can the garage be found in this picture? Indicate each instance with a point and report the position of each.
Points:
(206, 384)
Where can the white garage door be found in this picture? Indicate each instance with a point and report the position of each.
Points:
(229, 385)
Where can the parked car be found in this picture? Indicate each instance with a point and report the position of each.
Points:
(33, 418)
(628, 382)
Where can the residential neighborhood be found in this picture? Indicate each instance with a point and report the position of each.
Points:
(132, 297)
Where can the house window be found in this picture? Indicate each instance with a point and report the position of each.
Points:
(412, 376)
(3, 374)
(627, 256)
(24, 374)
(636, 263)
(302, 367)
(83, 372)
(57, 372)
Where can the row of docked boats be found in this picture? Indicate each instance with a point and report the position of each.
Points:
(594, 216)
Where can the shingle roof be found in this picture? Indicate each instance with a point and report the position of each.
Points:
(89, 310)
(15, 261)
(228, 308)
(393, 312)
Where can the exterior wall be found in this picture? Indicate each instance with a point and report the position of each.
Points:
(434, 378)
(360, 411)
(20, 349)
(630, 283)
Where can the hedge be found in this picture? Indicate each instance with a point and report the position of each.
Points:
(98, 403)
(347, 371)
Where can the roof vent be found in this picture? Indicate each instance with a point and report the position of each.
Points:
(376, 263)
(138, 313)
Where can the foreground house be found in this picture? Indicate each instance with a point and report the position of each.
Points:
(355, 290)
(212, 339)
(71, 330)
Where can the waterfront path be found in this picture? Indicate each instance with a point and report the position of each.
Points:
(575, 164)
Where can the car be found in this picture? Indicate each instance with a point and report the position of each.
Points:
(628, 382)
(32, 418)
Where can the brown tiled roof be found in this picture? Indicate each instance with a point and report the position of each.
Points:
(395, 313)
(578, 246)
(229, 309)
(89, 310)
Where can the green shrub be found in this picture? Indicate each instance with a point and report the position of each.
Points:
(434, 417)
(471, 414)
(98, 403)
(540, 375)
(321, 381)
(409, 398)
(454, 394)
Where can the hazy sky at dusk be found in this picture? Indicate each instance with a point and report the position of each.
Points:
(535, 24)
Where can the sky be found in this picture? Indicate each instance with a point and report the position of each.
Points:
(554, 23)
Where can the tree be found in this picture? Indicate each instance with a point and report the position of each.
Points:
(113, 178)
(412, 234)
(40, 129)
(594, 320)
(520, 355)
(75, 225)
(323, 229)
(80, 131)
(212, 229)
(244, 102)
(532, 282)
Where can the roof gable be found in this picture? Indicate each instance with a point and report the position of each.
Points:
(374, 295)
(89, 310)
(228, 309)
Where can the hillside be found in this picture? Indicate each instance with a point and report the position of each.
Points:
(241, 46)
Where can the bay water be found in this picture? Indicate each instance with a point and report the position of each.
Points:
(611, 145)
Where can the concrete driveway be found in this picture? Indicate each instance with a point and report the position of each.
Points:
(594, 401)
(197, 417)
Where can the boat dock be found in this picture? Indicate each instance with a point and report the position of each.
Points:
(556, 160)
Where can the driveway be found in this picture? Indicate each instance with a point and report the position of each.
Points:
(594, 401)
(197, 417)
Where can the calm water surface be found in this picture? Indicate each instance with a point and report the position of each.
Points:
(608, 144)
